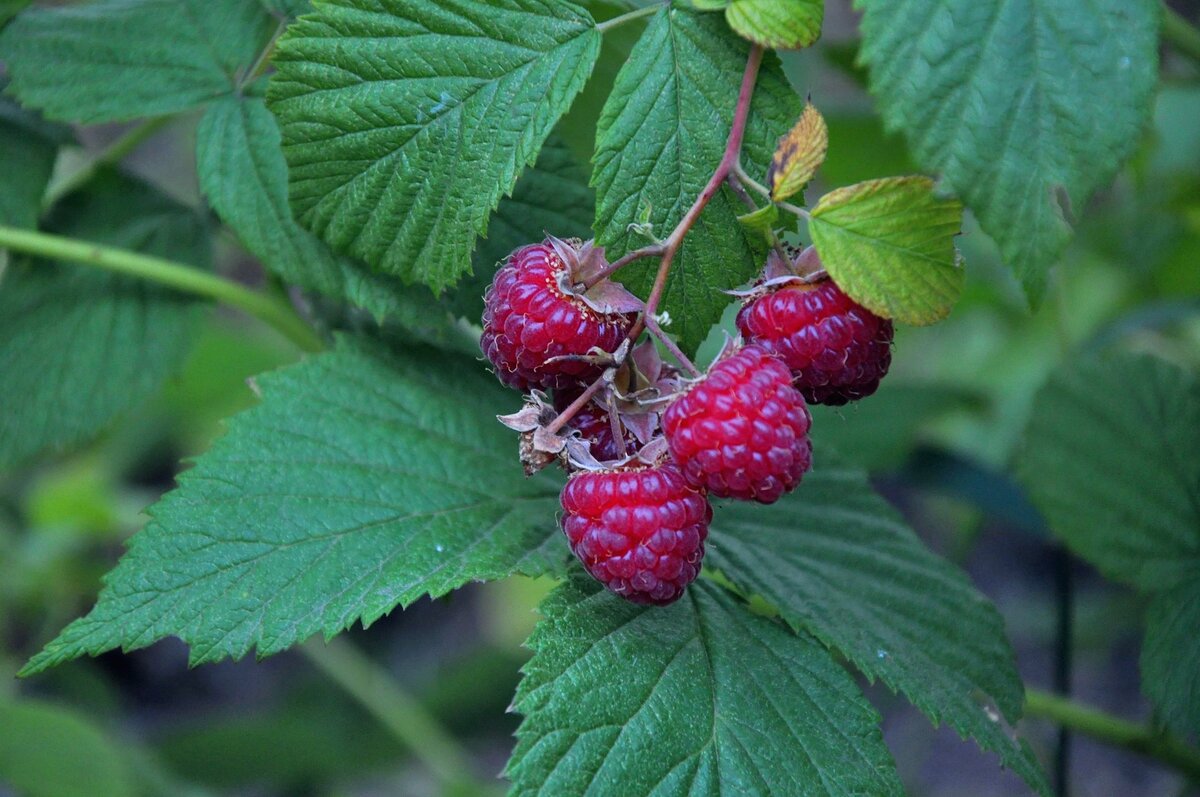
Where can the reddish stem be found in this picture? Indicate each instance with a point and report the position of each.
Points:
(637, 254)
(669, 247)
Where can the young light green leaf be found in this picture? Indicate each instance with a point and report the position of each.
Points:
(28, 149)
(710, 5)
(1110, 459)
(111, 60)
(405, 122)
(79, 346)
(46, 751)
(781, 24)
(702, 697)
(840, 564)
(762, 221)
(798, 155)
(661, 135)
(244, 176)
(1022, 105)
(553, 197)
(889, 244)
(1171, 656)
(356, 486)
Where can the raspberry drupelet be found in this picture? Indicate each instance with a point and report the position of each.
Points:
(742, 430)
(529, 319)
(837, 350)
(639, 530)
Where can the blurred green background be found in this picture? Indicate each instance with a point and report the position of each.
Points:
(939, 439)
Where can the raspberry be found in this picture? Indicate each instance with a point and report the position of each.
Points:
(741, 432)
(639, 531)
(837, 349)
(594, 424)
(528, 319)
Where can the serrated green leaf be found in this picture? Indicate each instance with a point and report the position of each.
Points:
(405, 122)
(1171, 656)
(27, 158)
(782, 24)
(46, 751)
(112, 60)
(702, 697)
(78, 345)
(1015, 102)
(10, 8)
(244, 176)
(356, 486)
(840, 564)
(661, 136)
(889, 244)
(553, 197)
(1110, 459)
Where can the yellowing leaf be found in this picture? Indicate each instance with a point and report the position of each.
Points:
(783, 24)
(799, 154)
(889, 244)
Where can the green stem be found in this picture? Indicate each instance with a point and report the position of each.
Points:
(607, 25)
(1114, 731)
(407, 720)
(112, 155)
(270, 310)
(1180, 33)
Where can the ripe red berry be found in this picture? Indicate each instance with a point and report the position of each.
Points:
(528, 319)
(639, 531)
(837, 349)
(742, 431)
(594, 423)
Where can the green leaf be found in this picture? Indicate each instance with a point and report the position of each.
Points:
(702, 697)
(288, 8)
(661, 136)
(10, 8)
(111, 60)
(28, 149)
(405, 121)
(781, 24)
(244, 176)
(79, 346)
(46, 751)
(1110, 459)
(362, 482)
(762, 221)
(552, 196)
(840, 564)
(1171, 656)
(889, 244)
(1020, 104)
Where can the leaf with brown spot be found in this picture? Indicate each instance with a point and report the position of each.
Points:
(799, 155)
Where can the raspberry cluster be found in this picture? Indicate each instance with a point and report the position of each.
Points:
(646, 448)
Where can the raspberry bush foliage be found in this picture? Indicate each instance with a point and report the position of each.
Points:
(568, 284)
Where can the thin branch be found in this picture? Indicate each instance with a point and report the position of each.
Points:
(188, 279)
(405, 718)
(1114, 731)
(654, 250)
(798, 211)
(735, 185)
(112, 155)
(1180, 34)
(607, 25)
(749, 181)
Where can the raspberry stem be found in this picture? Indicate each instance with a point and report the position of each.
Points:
(668, 248)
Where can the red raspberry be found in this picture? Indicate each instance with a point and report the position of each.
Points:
(837, 349)
(528, 319)
(639, 531)
(594, 424)
(741, 432)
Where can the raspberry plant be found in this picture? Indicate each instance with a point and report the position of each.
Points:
(412, 175)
